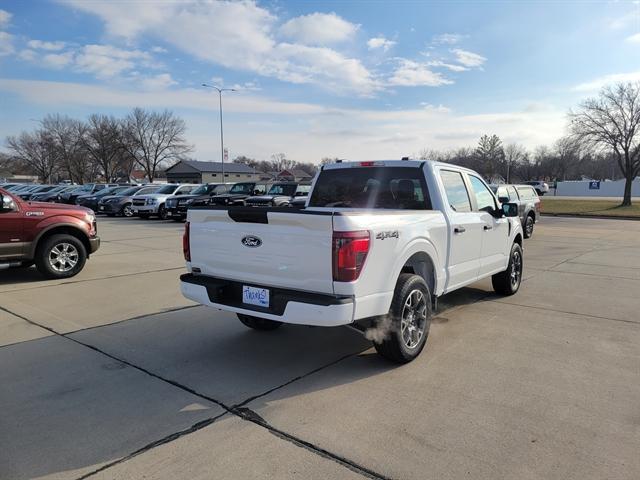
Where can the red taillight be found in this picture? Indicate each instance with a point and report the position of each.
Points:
(367, 164)
(349, 253)
(186, 248)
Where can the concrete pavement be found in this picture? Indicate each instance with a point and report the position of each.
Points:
(112, 374)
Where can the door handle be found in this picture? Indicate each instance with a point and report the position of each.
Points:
(459, 230)
(487, 227)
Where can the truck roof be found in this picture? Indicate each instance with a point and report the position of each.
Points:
(393, 163)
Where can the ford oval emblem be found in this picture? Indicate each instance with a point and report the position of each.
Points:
(251, 241)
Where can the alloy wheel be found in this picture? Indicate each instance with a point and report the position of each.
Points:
(413, 319)
(63, 257)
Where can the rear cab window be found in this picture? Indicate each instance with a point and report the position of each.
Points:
(456, 191)
(399, 188)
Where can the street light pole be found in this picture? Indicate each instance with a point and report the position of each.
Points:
(220, 90)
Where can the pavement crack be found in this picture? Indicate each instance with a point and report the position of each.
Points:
(169, 438)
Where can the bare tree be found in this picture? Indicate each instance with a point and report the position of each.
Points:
(611, 122)
(154, 139)
(102, 141)
(37, 152)
(514, 154)
(67, 135)
(279, 162)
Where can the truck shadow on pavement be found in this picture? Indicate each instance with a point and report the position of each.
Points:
(70, 404)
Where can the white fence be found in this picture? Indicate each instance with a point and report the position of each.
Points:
(596, 189)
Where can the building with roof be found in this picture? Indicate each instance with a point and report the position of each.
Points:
(192, 171)
(294, 175)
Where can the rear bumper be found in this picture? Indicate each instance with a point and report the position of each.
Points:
(287, 306)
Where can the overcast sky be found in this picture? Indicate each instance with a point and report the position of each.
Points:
(348, 79)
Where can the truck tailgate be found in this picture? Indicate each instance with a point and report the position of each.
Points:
(290, 249)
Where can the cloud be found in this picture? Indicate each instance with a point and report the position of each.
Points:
(303, 130)
(6, 44)
(468, 59)
(49, 46)
(447, 39)
(106, 61)
(319, 29)
(161, 81)
(58, 60)
(635, 38)
(415, 74)
(244, 38)
(380, 43)
(449, 66)
(598, 83)
(5, 18)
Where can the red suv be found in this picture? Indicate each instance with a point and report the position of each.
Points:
(57, 238)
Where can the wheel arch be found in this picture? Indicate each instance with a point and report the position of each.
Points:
(421, 259)
(57, 229)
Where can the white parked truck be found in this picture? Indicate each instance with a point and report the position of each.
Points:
(377, 243)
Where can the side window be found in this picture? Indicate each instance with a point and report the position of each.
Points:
(456, 190)
(525, 193)
(513, 195)
(533, 193)
(484, 197)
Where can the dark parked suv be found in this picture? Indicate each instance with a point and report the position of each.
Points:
(239, 193)
(177, 206)
(528, 203)
(279, 195)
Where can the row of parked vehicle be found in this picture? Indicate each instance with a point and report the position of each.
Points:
(163, 200)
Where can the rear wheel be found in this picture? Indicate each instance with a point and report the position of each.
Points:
(508, 282)
(60, 256)
(528, 226)
(258, 323)
(408, 320)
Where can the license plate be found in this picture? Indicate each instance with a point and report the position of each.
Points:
(255, 296)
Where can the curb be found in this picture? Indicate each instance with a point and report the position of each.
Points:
(587, 215)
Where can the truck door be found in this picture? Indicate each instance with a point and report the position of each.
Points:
(495, 231)
(465, 232)
(11, 229)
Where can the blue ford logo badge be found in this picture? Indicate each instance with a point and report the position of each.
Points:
(251, 241)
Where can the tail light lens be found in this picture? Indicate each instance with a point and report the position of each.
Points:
(186, 247)
(349, 253)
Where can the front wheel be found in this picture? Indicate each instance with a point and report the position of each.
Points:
(258, 323)
(127, 210)
(528, 226)
(60, 256)
(407, 324)
(508, 282)
(162, 212)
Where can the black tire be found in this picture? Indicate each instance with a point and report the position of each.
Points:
(126, 210)
(60, 256)
(404, 341)
(258, 323)
(162, 212)
(508, 282)
(528, 226)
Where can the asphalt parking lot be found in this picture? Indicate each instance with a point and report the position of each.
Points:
(114, 375)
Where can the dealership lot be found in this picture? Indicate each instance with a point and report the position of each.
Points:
(113, 374)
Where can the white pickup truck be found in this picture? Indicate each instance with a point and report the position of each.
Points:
(375, 246)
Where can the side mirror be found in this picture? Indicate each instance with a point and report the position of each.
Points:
(510, 209)
(6, 204)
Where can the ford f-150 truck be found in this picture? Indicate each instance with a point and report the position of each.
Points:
(57, 238)
(376, 245)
